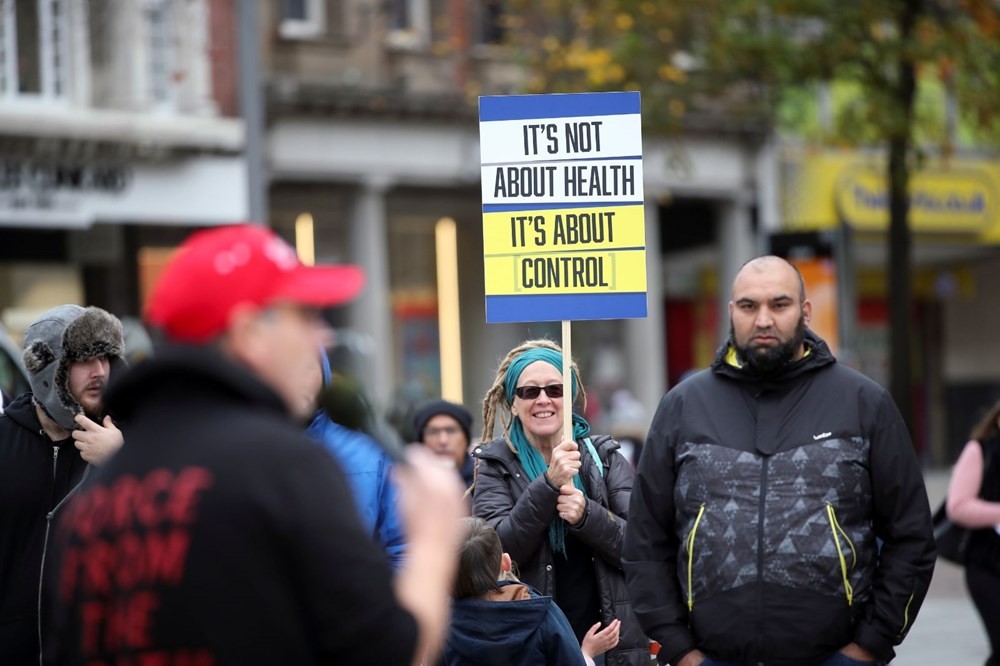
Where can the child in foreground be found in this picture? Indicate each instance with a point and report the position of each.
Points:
(497, 620)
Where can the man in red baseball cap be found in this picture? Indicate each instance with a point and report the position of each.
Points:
(223, 535)
(231, 280)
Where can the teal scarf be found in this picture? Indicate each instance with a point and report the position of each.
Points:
(531, 460)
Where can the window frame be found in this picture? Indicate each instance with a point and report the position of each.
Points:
(313, 26)
(53, 52)
(161, 88)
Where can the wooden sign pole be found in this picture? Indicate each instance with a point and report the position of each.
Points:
(567, 371)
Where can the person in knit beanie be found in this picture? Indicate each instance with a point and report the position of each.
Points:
(445, 428)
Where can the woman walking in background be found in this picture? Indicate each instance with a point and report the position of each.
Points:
(974, 502)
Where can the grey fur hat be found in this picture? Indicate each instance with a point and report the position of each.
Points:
(61, 336)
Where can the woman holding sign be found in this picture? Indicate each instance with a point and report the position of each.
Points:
(558, 503)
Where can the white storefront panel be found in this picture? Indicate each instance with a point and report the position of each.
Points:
(67, 194)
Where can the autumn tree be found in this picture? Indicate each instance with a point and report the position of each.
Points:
(744, 59)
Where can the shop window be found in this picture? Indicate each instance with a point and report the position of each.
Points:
(409, 23)
(492, 29)
(160, 23)
(302, 19)
(33, 48)
(474, 23)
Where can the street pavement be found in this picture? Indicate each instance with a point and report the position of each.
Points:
(947, 631)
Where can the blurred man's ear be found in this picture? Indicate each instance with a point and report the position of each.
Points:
(240, 339)
(505, 563)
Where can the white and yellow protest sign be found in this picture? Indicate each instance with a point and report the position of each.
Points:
(563, 217)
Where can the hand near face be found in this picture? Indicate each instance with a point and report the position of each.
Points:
(97, 442)
(564, 463)
(430, 497)
(571, 504)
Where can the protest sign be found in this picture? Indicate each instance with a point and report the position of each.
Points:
(563, 217)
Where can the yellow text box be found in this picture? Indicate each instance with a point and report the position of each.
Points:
(589, 229)
(616, 271)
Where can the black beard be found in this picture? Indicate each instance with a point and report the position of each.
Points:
(765, 360)
(95, 416)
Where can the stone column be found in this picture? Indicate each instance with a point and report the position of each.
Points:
(646, 339)
(371, 312)
(737, 245)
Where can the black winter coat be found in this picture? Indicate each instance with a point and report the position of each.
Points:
(221, 534)
(36, 474)
(521, 513)
(756, 509)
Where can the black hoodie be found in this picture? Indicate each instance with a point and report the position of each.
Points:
(755, 512)
(220, 535)
(36, 474)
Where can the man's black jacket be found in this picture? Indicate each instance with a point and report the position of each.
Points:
(219, 535)
(36, 474)
(756, 511)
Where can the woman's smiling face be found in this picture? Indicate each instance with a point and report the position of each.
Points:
(541, 418)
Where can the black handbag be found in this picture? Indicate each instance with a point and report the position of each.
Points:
(952, 540)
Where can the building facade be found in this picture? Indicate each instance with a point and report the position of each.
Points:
(372, 141)
(118, 135)
(834, 212)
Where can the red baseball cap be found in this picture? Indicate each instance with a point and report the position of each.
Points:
(217, 269)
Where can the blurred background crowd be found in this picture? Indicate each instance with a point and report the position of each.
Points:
(350, 127)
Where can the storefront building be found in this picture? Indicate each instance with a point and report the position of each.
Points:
(118, 135)
(834, 214)
(373, 145)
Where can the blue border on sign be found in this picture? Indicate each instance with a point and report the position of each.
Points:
(509, 208)
(563, 105)
(562, 307)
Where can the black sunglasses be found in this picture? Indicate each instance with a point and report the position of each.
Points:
(532, 392)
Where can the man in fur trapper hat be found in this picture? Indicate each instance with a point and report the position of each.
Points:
(47, 438)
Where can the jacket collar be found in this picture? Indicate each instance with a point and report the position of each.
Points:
(198, 368)
(817, 355)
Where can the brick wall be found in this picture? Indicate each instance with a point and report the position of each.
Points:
(222, 53)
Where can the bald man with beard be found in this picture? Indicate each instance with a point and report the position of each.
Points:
(765, 485)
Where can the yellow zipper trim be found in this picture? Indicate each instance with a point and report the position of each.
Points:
(690, 547)
(906, 616)
(834, 527)
(854, 554)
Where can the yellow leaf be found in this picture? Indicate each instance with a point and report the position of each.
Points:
(670, 73)
(624, 22)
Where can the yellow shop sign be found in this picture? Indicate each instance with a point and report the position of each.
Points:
(954, 200)
(821, 189)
